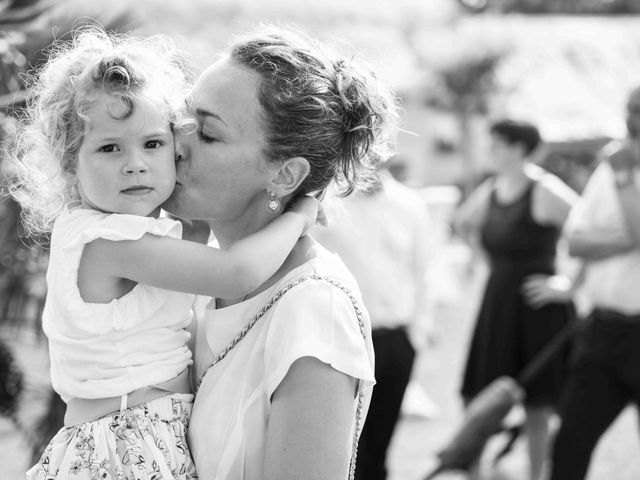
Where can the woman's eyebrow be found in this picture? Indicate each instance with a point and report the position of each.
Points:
(205, 113)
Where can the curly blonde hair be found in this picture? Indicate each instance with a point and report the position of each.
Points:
(42, 159)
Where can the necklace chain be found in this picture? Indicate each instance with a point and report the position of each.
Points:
(247, 328)
(218, 305)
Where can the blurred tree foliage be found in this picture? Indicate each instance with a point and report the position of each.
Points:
(27, 29)
(570, 7)
(464, 84)
(465, 87)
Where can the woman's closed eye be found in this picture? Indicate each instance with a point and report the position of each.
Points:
(205, 138)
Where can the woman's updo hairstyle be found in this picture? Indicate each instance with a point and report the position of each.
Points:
(515, 132)
(333, 112)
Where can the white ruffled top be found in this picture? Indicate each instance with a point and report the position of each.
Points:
(100, 350)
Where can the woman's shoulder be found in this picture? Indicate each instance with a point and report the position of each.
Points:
(552, 198)
(317, 266)
(321, 315)
(549, 187)
(321, 294)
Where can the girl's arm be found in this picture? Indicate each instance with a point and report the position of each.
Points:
(190, 267)
(310, 426)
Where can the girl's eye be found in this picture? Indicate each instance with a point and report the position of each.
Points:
(205, 138)
(153, 144)
(112, 147)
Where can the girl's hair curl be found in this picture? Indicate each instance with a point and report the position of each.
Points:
(42, 160)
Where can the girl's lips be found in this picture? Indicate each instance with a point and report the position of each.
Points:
(137, 190)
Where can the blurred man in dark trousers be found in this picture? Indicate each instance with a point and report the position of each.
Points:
(385, 237)
(604, 230)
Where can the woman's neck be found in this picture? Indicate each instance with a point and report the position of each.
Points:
(229, 231)
(515, 173)
(511, 183)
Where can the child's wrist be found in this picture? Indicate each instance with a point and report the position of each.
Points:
(298, 216)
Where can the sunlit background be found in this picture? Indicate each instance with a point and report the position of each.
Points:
(566, 65)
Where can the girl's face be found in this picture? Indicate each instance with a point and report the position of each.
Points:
(126, 165)
(222, 174)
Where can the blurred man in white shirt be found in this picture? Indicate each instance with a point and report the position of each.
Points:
(385, 238)
(604, 230)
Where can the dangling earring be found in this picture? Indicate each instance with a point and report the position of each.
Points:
(74, 191)
(273, 202)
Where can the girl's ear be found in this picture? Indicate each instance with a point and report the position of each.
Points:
(288, 176)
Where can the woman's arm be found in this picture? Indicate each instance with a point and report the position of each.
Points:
(310, 425)
(469, 216)
(190, 267)
(552, 201)
(540, 289)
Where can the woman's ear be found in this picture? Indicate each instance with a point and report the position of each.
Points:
(288, 176)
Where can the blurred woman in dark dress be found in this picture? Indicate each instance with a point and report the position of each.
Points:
(517, 216)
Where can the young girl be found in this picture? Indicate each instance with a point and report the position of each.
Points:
(96, 159)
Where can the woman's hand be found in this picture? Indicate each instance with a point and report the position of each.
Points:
(540, 290)
(309, 208)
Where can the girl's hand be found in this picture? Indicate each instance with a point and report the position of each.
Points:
(309, 208)
(540, 290)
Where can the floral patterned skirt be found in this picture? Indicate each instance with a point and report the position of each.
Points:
(144, 442)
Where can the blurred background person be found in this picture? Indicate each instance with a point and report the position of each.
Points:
(516, 218)
(385, 237)
(604, 230)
